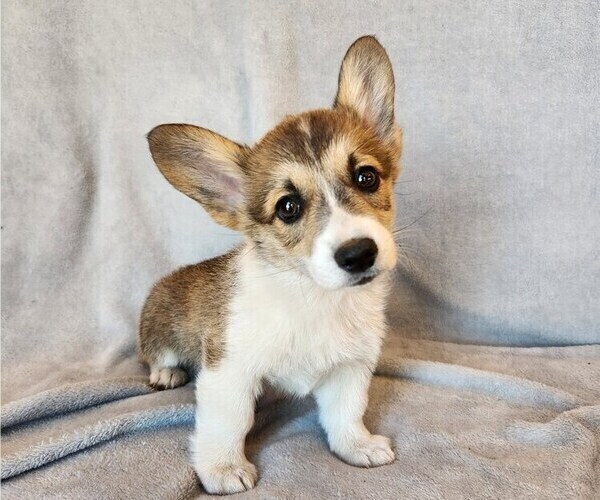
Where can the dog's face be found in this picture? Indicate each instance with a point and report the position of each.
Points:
(316, 193)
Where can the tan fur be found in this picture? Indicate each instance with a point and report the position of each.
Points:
(178, 149)
(185, 313)
(366, 83)
(314, 153)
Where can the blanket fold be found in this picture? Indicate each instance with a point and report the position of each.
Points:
(489, 380)
(34, 436)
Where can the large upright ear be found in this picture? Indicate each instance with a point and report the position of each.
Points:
(204, 166)
(366, 84)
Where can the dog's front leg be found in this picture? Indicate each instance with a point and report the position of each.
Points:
(342, 398)
(225, 413)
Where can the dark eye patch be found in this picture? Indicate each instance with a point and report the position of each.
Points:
(352, 162)
(290, 187)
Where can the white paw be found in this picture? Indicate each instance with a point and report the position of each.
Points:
(167, 378)
(230, 478)
(371, 451)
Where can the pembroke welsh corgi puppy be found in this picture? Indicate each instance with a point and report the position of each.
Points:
(300, 303)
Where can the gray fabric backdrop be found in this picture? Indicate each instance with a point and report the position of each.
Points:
(499, 102)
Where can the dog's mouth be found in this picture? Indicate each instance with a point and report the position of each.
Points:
(364, 280)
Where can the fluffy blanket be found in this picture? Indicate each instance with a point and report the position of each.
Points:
(489, 383)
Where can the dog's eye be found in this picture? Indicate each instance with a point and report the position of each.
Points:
(367, 179)
(289, 208)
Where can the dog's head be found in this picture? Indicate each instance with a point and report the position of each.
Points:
(316, 193)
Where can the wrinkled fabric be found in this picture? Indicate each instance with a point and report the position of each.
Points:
(489, 382)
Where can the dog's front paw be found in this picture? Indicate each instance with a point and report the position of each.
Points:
(371, 451)
(228, 478)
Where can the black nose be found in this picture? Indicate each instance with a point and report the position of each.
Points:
(356, 256)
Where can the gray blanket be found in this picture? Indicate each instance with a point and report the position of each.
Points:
(489, 383)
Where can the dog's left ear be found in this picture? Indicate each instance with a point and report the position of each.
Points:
(366, 84)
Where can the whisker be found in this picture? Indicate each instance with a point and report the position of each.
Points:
(253, 246)
(410, 253)
(302, 288)
(402, 246)
(405, 261)
(396, 231)
(275, 273)
(231, 235)
(406, 232)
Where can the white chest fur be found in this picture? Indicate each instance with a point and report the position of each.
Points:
(286, 329)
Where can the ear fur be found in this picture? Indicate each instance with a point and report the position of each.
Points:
(366, 85)
(204, 166)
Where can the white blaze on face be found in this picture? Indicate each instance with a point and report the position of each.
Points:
(341, 227)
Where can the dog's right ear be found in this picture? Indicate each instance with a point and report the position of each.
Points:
(204, 166)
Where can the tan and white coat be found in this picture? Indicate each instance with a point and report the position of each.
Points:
(279, 309)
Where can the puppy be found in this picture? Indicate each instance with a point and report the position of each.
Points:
(300, 304)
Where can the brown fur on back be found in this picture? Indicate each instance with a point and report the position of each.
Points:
(186, 313)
